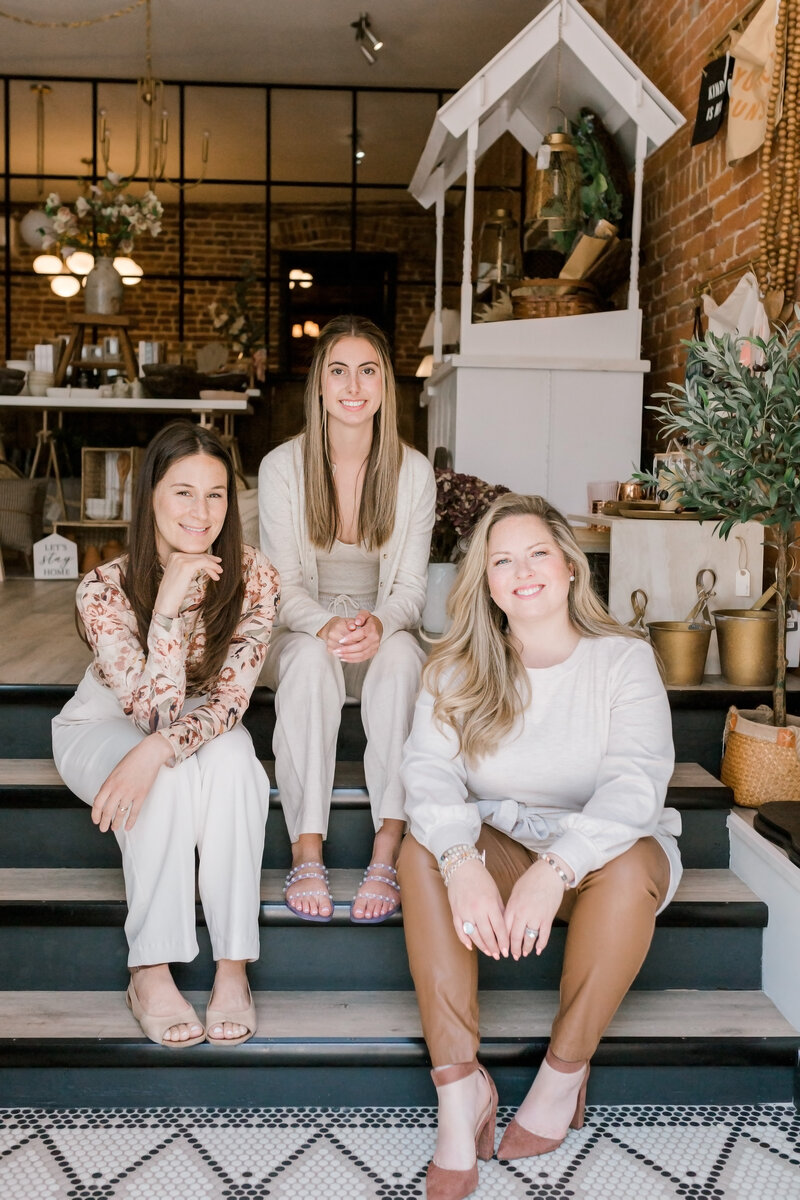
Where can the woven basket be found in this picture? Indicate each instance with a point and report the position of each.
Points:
(760, 762)
(554, 298)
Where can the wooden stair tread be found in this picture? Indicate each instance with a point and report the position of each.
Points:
(103, 885)
(41, 772)
(710, 1015)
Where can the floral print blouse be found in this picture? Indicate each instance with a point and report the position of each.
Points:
(151, 687)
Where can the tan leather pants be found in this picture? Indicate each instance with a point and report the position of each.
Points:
(610, 915)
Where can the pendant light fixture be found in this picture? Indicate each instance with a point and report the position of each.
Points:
(554, 210)
(150, 109)
(36, 224)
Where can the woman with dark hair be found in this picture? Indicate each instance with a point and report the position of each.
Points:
(535, 777)
(153, 739)
(346, 515)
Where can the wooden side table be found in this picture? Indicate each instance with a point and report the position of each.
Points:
(73, 348)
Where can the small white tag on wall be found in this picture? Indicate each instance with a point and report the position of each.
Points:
(55, 557)
(742, 582)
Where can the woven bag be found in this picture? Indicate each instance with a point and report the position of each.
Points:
(760, 762)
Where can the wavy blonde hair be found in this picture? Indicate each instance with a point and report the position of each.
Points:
(376, 512)
(475, 672)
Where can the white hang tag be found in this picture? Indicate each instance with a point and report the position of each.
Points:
(742, 582)
(543, 158)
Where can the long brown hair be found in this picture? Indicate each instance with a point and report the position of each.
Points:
(376, 512)
(221, 607)
(475, 673)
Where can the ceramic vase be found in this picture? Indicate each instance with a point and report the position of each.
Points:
(104, 288)
(441, 577)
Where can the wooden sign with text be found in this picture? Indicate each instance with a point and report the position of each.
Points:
(55, 557)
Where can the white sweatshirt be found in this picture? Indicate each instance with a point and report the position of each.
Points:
(583, 774)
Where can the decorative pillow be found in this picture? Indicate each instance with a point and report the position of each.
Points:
(21, 507)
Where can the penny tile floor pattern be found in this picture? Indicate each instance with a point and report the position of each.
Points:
(622, 1153)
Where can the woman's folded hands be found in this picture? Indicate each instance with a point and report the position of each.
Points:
(481, 919)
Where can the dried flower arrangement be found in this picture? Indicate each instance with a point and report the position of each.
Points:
(461, 501)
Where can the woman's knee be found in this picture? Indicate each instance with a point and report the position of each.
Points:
(414, 863)
(306, 659)
(640, 873)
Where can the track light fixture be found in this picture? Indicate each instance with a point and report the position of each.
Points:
(368, 43)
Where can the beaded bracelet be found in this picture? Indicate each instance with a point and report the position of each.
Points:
(456, 856)
(562, 875)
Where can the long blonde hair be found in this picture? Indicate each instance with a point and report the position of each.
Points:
(475, 673)
(376, 512)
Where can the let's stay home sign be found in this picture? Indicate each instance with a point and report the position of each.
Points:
(55, 557)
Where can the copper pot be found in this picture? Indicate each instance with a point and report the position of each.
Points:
(631, 490)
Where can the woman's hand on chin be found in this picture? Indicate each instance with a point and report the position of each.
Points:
(475, 900)
(119, 800)
(534, 901)
(354, 639)
(179, 572)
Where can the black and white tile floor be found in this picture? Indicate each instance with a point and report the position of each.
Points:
(642, 1153)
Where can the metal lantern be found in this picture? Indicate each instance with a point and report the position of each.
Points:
(555, 209)
(498, 252)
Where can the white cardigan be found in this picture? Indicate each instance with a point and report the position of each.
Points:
(584, 774)
(285, 541)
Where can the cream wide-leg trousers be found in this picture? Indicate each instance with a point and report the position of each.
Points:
(310, 686)
(216, 801)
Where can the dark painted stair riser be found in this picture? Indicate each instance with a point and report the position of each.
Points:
(376, 1074)
(697, 721)
(44, 836)
(343, 958)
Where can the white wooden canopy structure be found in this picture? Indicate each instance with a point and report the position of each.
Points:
(515, 92)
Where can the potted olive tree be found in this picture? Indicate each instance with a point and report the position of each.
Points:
(740, 412)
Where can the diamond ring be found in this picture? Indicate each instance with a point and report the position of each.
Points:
(468, 928)
(531, 933)
(123, 810)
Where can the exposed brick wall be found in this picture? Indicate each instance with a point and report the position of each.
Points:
(218, 241)
(700, 216)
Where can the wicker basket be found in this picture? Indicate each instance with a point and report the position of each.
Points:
(554, 298)
(760, 762)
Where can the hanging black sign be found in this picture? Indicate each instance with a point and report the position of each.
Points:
(714, 87)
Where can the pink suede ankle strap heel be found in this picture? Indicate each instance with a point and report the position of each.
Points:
(441, 1183)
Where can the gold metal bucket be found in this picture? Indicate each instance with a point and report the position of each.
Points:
(682, 647)
(747, 645)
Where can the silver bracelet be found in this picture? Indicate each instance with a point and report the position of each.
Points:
(562, 875)
(456, 856)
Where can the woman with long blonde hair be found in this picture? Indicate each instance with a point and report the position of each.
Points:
(535, 777)
(346, 512)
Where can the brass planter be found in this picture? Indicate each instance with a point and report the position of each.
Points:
(682, 650)
(747, 642)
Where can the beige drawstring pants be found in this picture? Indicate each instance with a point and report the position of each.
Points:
(310, 687)
(611, 916)
(215, 801)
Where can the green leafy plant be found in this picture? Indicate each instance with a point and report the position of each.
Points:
(743, 426)
(600, 199)
(237, 318)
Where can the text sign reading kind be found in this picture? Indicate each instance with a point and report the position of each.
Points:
(55, 557)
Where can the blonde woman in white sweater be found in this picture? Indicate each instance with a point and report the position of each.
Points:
(347, 512)
(535, 778)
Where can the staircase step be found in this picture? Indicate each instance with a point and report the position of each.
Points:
(662, 1047)
(43, 825)
(60, 925)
